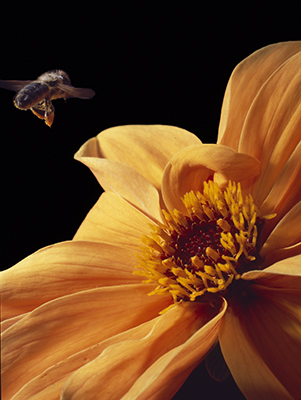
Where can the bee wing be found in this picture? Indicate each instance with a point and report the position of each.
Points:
(71, 91)
(13, 85)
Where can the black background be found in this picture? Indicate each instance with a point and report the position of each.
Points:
(149, 63)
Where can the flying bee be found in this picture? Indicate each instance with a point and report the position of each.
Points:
(37, 95)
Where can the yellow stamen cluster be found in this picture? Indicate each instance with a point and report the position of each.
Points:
(206, 250)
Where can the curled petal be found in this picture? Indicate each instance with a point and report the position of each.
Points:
(46, 336)
(125, 181)
(113, 220)
(191, 166)
(145, 148)
(244, 85)
(62, 269)
(171, 330)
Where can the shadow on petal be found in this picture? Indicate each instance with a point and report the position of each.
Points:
(50, 382)
(119, 366)
(164, 378)
(263, 326)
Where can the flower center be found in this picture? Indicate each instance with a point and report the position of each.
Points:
(203, 252)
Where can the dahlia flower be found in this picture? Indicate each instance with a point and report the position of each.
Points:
(191, 246)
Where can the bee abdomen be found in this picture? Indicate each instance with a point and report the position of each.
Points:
(30, 95)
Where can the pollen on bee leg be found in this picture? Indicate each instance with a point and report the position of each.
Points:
(49, 120)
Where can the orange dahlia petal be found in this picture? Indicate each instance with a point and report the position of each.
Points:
(284, 273)
(113, 220)
(164, 378)
(285, 192)
(46, 336)
(171, 330)
(264, 325)
(253, 377)
(5, 324)
(284, 239)
(190, 167)
(244, 84)
(62, 269)
(50, 382)
(273, 122)
(145, 148)
(127, 182)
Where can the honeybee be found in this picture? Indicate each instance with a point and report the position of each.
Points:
(37, 95)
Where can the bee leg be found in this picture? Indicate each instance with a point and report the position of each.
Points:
(39, 109)
(38, 113)
(49, 113)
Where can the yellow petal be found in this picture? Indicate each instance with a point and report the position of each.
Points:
(119, 366)
(145, 148)
(62, 327)
(113, 220)
(191, 166)
(244, 84)
(264, 327)
(62, 269)
(284, 237)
